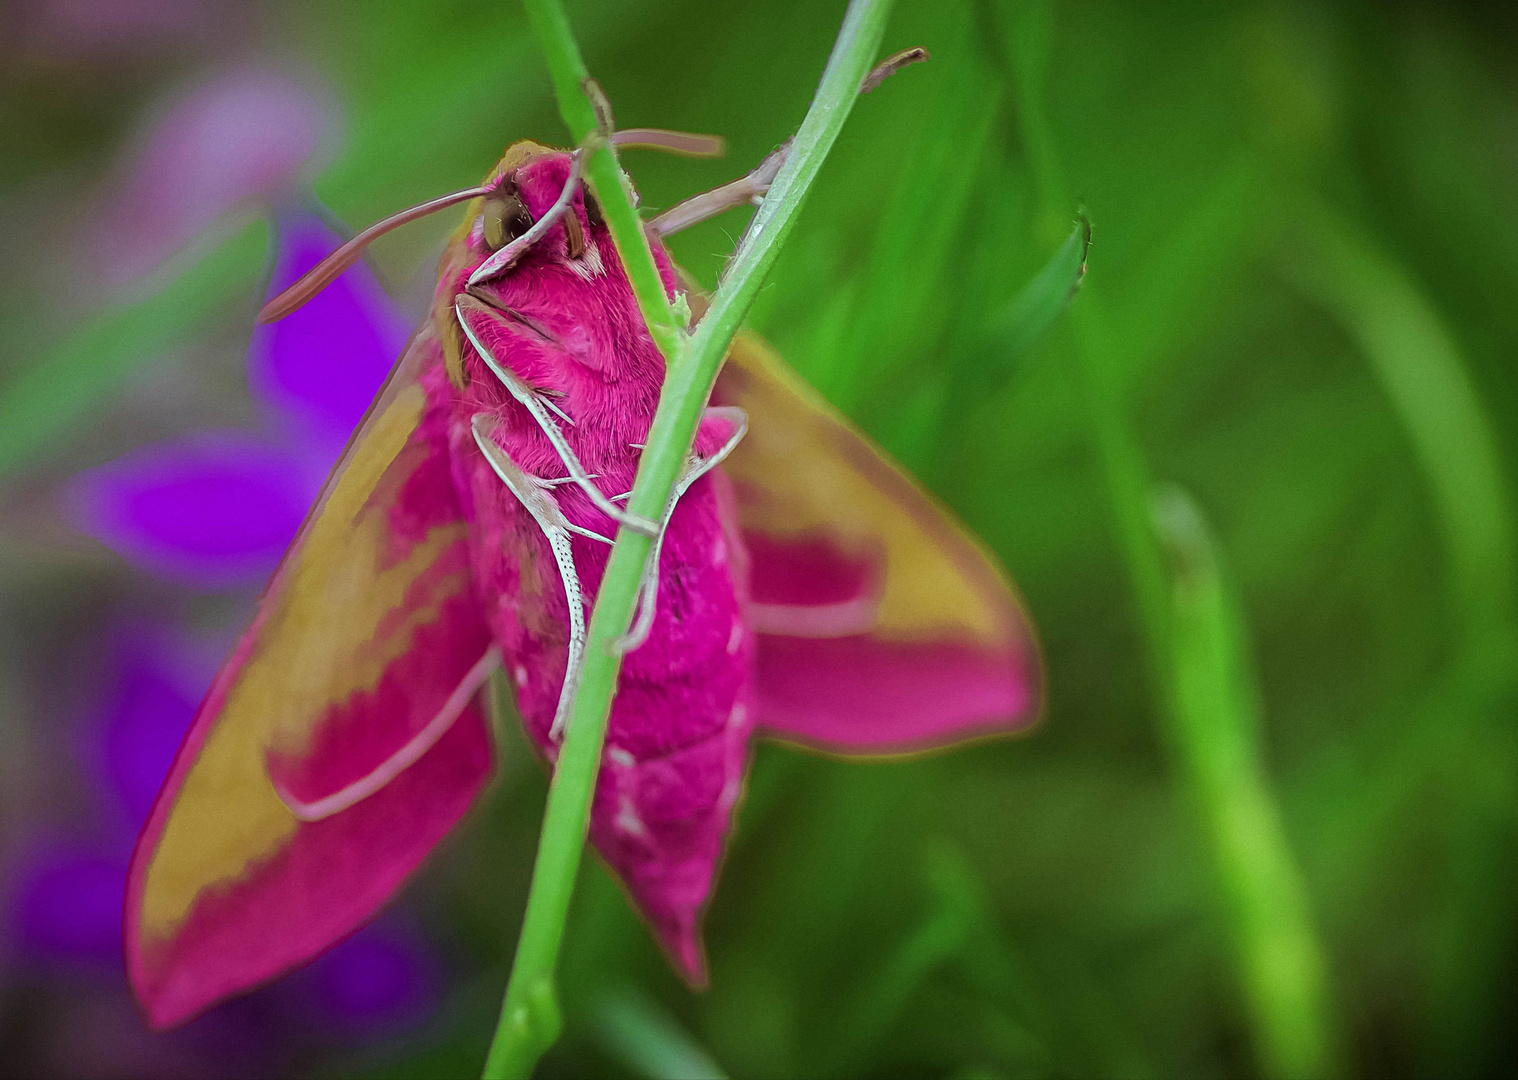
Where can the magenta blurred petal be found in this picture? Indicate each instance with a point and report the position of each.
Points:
(214, 511)
(243, 135)
(322, 365)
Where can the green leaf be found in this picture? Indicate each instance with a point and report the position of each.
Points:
(1014, 329)
(83, 370)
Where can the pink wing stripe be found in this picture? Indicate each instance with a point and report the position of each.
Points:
(808, 572)
(806, 587)
(407, 756)
(859, 695)
(328, 876)
(357, 737)
(320, 887)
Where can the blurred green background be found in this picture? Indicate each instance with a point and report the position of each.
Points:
(1269, 821)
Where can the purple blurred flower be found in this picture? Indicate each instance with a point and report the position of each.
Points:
(319, 367)
(159, 675)
(244, 135)
(217, 509)
(211, 511)
(383, 978)
(67, 903)
(67, 890)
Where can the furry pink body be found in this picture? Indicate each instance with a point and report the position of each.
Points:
(679, 728)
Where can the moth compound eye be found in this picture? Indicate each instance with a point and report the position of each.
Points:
(506, 218)
(592, 210)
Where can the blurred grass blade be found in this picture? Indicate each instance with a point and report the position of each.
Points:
(1420, 367)
(87, 366)
(1217, 737)
(939, 938)
(1463, 731)
(900, 301)
(637, 1032)
(1194, 651)
(1014, 329)
(1025, 35)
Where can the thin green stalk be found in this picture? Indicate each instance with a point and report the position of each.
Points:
(572, 87)
(1198, 701)
(1027, 32)
(530, 1020)
(1217, 736)
(88, 364)
(1426, 378)
(639, 1033)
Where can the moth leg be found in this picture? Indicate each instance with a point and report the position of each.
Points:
(402, 759)
(559, 481)
(744, 191)
(696, 467)
(536, 497)
(536, 405)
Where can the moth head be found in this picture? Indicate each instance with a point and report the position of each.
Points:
(531, 186)
(538, 208)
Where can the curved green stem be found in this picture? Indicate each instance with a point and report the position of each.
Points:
(530, 1020)
(1217, 740)
(1195, 655)
(573, 87)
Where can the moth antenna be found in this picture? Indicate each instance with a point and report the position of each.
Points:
(891, 65)
(744, 191)
(673, 142)
(322, 274)
(748, 190)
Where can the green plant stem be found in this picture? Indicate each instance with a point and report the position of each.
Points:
(640, 1034)
(1426, 378)
(1197, 690)
(530, 1020)
(1464, 729)
(603, 172)
(1218, 744)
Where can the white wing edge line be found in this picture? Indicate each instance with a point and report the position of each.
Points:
(403, 758)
